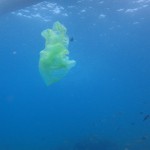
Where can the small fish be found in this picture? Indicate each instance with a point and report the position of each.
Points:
(71, 39)
(141, 113)
(144, 138)
(146, 117)
(132, 123)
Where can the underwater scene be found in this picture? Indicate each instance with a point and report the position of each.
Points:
(75, 75)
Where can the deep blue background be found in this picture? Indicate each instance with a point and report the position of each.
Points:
(106, 95)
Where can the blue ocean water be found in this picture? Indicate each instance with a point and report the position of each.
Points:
(102, 103)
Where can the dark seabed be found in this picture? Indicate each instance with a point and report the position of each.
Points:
(103, 103)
